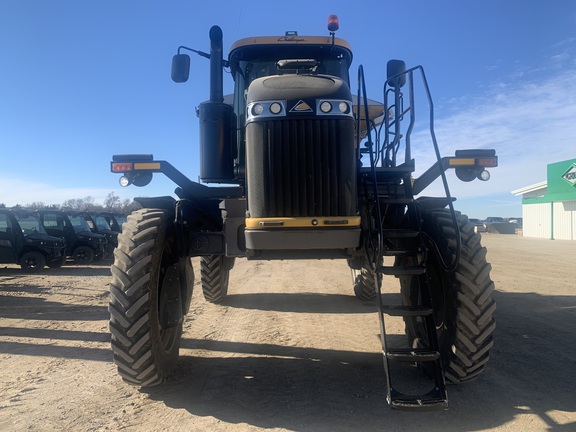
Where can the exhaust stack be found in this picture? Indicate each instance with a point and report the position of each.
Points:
(216, 71)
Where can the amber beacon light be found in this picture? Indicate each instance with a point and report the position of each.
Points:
(333, 23)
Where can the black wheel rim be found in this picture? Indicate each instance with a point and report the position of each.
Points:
(168, 336)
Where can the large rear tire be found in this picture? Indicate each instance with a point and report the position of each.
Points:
(462, 300)
(145, 267)
(214, 275)
(364, 286)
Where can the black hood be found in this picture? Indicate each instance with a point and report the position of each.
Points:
(44, 237)
(90, 236)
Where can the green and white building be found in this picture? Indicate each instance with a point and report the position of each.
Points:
(549, 207)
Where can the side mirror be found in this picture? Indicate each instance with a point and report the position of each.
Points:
(180, 68)
(396, 69)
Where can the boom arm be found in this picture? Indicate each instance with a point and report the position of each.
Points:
(137, 169)
(469, 164)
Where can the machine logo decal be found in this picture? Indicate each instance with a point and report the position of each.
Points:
(570, 175)
(290, 39)
(301, 106)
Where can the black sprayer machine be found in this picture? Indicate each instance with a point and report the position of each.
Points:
(302, 168)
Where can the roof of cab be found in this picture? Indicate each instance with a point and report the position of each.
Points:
(290, 40)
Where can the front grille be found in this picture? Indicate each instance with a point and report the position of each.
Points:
(301, 168)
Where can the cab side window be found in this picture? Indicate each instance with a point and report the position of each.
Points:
(5, 224)
(54, 222)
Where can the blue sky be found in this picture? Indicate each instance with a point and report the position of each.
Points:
(82, 80)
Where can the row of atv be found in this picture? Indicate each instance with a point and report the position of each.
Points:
(40, 238)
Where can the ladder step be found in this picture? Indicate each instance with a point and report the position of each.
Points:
(412, 355)
(406, 311)
(386, 200)
(407, 403)
(399, 233)
(401, 270)
(396, 252)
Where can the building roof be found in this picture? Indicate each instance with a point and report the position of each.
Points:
(536, 187)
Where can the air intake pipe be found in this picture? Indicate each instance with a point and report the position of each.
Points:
(217, 136)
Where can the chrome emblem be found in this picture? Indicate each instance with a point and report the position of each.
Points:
(301, 106)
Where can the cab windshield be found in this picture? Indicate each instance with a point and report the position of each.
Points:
(79, 223)
(29, 223)
(101, 223)
(257, 61)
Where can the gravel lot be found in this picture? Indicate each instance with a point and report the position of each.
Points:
(290, 349)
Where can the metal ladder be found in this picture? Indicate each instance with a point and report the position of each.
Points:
(389, 183)
(408, 242)
(394, 191)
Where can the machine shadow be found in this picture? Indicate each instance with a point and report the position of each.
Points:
(38, 308)
(298, 388)
(300, 303)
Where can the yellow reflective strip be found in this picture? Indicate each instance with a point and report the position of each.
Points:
(147, 165)
(463, 161)
(304, 222)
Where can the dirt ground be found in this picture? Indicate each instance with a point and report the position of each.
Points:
(290, 349)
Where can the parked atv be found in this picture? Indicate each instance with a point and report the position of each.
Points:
(82, 245)
(24, 241)
(115, 220)
(99, 224)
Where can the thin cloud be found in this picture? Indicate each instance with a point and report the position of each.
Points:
(530, 124)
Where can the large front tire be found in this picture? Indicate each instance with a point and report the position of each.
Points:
(215, 274)
(145, 343)
(462, 300)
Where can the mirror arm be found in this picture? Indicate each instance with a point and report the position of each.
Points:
(225, 63)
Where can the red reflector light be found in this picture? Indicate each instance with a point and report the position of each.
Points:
(119, 167)
(487, 162)
(333, 23)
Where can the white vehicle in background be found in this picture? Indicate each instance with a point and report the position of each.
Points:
(478, 225)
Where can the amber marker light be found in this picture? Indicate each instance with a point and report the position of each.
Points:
(119, 167)
(333, 23)
(488, 162)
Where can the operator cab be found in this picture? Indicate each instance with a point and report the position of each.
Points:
(253, 58)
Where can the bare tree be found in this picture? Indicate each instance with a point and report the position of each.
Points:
(112, 202)
(128, 206)
(81, 204)
(73, 204)
(36, 205)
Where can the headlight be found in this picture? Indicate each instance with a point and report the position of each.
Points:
(344, 107)
(326, 107)
(265, 109)
(275, 108)
(335, 107)
(484, 175)
(257, 109)
(124, 181)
